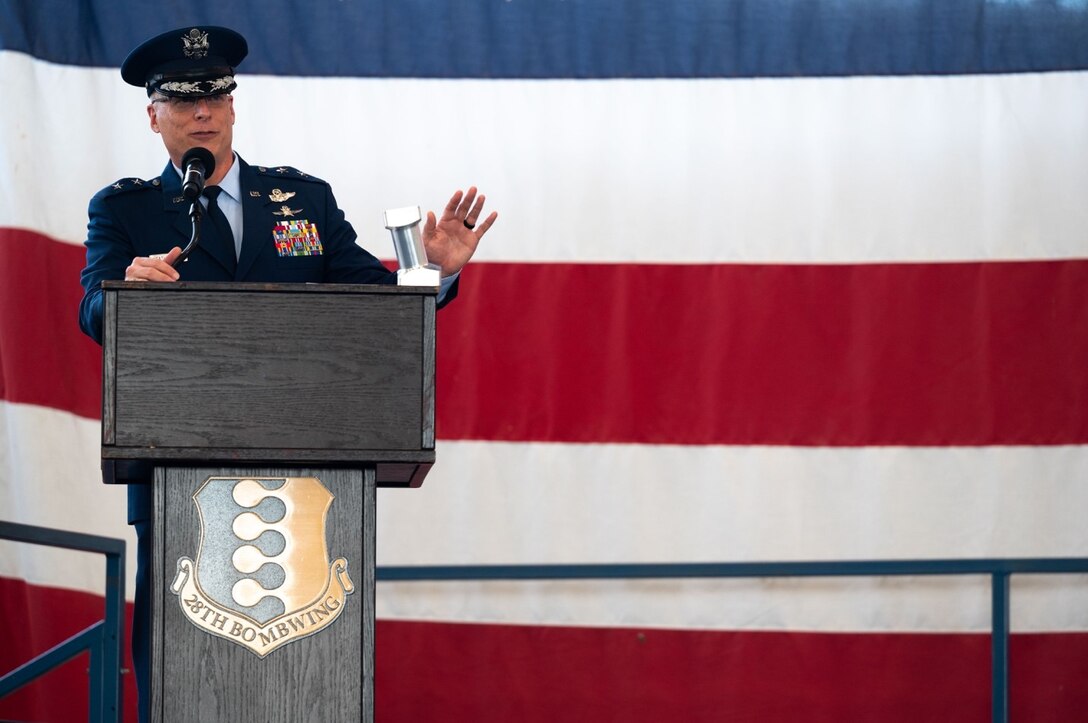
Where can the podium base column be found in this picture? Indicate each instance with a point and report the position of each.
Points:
(263, 594)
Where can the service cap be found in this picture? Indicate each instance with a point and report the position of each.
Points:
(187, 62)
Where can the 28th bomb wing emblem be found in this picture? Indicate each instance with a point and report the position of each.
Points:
(262, 577)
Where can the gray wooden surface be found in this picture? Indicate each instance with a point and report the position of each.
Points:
(282, 371)
(328, 676)
(268, 374)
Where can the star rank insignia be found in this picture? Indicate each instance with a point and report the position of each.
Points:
(286, 210)
(118, 186)
(279, 196)
(281, 169)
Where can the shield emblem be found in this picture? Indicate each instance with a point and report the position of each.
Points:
(262, 576)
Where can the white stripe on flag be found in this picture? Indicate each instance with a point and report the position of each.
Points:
(783, 170)
(488, 503)
(492, 503)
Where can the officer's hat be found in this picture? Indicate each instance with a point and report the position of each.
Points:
(187, 62)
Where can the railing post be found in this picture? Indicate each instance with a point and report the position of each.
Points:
(999, 646)
(112, 640)
(95, 674)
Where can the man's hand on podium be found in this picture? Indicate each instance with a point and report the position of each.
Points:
(154, 268)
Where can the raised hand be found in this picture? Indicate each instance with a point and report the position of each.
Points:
(451, 240)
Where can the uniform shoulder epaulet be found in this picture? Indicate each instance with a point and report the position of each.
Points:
(126, 185)
(287, 172)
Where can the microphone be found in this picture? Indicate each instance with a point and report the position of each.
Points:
(196, 165)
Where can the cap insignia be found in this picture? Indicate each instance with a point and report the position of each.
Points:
(195, 44)
(205, 87)
(180, 86)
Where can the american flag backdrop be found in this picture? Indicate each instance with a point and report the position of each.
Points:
(772, 280)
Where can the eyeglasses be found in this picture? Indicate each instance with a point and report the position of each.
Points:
(182, 103)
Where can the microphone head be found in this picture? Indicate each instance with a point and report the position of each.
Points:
(203, 155)
(202, 162)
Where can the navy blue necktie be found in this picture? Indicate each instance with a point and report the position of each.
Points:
(221, 236)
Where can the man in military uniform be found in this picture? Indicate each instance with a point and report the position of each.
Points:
(262, 223)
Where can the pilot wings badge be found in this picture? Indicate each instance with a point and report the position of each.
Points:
(278, 196)
(262, 576)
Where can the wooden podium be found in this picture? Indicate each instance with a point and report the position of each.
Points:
(265, 416)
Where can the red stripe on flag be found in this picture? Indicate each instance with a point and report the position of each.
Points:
(876, 354)
(44, 358)
(844, 355)
(486, 673)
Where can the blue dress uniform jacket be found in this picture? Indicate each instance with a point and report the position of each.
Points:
(133, 217)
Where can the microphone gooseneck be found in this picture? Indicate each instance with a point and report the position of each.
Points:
(196, 165)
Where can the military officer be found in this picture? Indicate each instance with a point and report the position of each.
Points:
(263, 223)
(137, 227)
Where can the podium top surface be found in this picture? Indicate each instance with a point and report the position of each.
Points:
(237, 286)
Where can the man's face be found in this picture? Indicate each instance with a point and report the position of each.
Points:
(186, 122)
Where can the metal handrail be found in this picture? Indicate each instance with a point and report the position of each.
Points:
(999, 570)
(103, 639)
